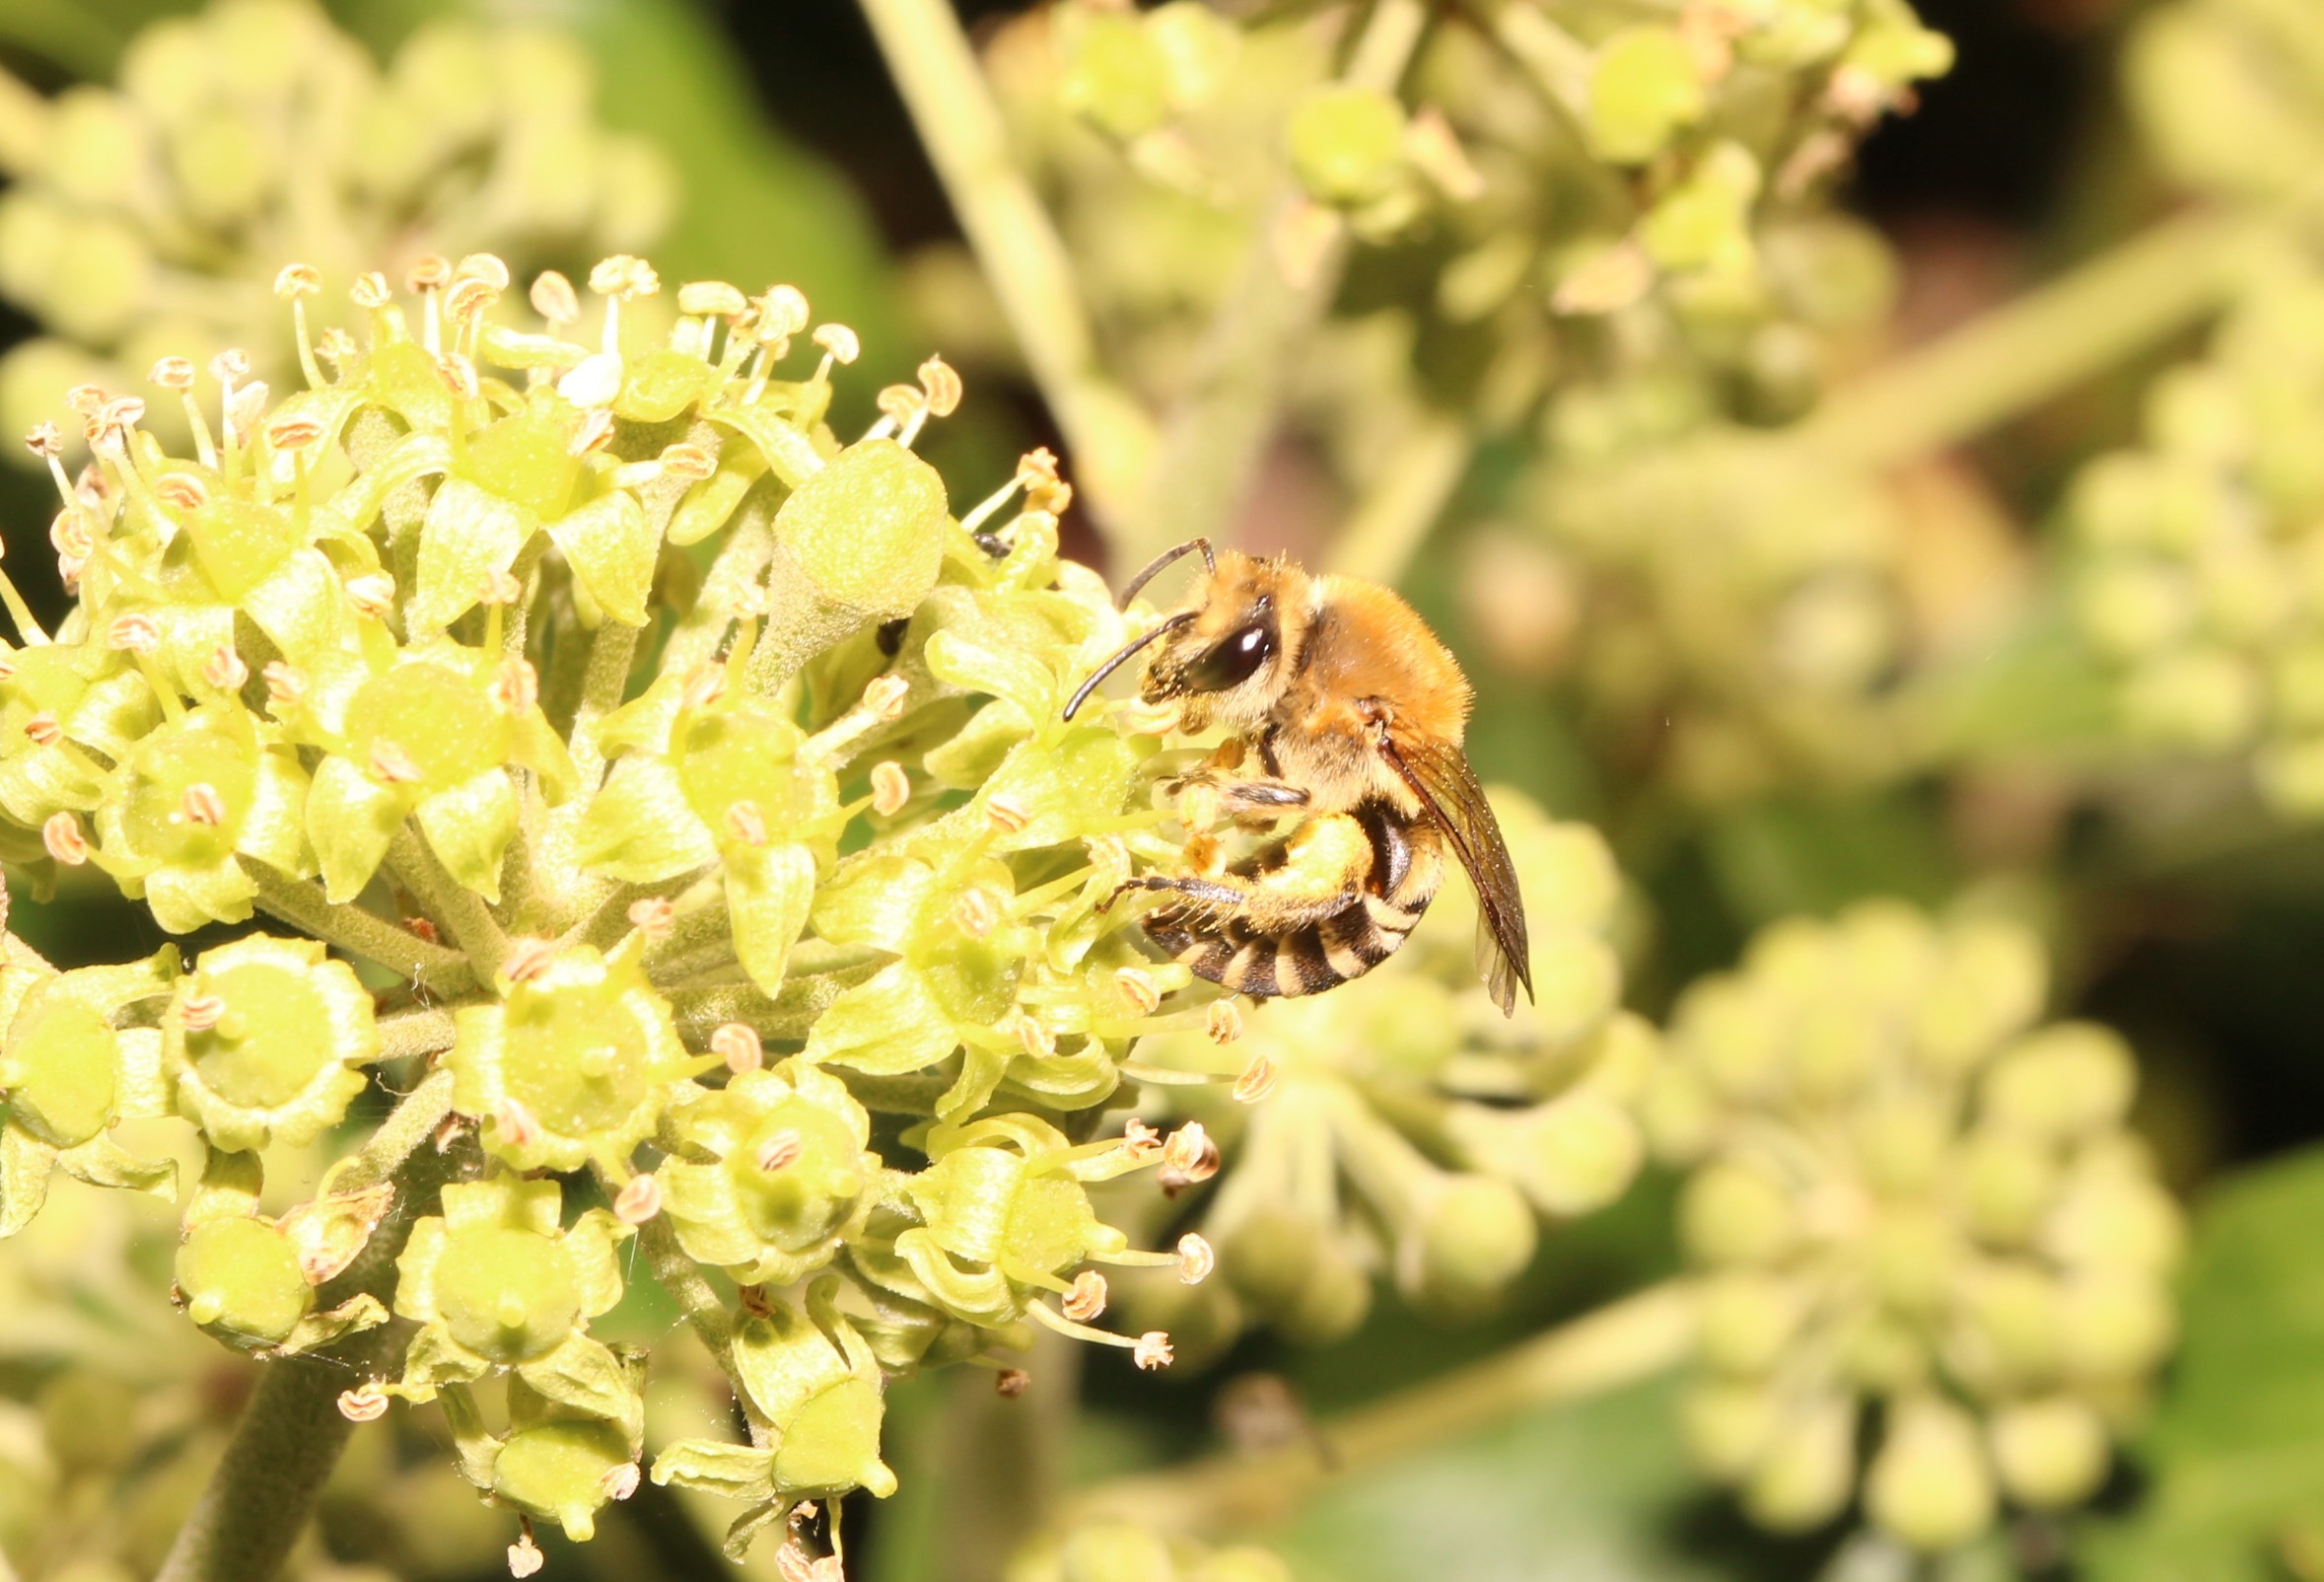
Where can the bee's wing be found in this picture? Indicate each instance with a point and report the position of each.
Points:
(1439, 774)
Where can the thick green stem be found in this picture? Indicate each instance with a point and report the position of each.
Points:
(358, 932)
(2046, 342)
(1023, 255)
(1218, 431)
(1616, 1345)
(456, 909)
(263, 1490)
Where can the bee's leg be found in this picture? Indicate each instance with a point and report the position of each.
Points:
(1203, 802)
(1319, 870)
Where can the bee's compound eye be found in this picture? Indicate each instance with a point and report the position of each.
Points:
(1234, 660)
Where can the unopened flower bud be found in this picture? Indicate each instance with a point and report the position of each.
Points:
(1930, 1484)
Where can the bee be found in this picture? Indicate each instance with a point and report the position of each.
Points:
(1354, 713)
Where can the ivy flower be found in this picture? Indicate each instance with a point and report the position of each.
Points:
(264, 1041)
(574, 1062)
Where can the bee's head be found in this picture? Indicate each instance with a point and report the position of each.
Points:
(1228, 651)
(1232, 650)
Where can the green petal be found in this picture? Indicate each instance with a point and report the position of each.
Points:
(887, 1027)
(469, 533)
(735, 1471)
(469, 827)
(1015, 675)
(273, 830)
(640, 828)
(769, 890)
(611, 548)
(25, 1164)
(300, 607)
(350, 821)
(583, 1374)
(182, 899)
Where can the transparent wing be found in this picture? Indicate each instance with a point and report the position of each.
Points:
(1440, 775)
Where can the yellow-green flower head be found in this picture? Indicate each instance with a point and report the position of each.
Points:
(191, 799)
(1907, 1196)
(153, 216)
(574, 1062)
(431, 736)
(68, 1072)
(2198, 579)
(264, 1041)
(769, 1175)
(249, 1279)
(496, 1284)
(811, 1378)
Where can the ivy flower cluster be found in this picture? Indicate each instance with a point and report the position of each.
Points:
(1910, 1201)
(1118, 1551)
(692, 791)
(2197, 557)
(1401, 1127)
(147, 219)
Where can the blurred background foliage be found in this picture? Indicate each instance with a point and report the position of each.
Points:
(1936, 522)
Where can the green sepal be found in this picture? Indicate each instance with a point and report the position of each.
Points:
(640, 828)
(788, 452)
(769, 893)
(469, 533)
(25, 1164)
(586, 1376)
(612, 549)
(887, 1027)
(102, 1162)
(351, 820)
(469, 827)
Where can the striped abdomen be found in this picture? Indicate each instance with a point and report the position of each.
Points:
(1240, 952)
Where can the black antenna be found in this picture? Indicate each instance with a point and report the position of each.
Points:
(1119, 659)
(1159, 564)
